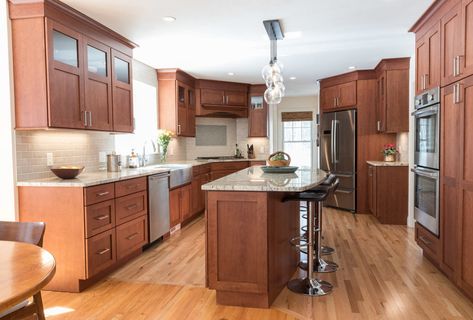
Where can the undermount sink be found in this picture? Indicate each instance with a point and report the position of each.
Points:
(180, 174)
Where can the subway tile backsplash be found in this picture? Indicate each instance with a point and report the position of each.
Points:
(67, 147)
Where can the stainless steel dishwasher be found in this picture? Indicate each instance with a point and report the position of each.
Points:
(158, 194)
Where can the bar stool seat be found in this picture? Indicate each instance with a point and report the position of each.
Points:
(309, 285)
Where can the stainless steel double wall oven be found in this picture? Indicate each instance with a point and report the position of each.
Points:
(427, 159)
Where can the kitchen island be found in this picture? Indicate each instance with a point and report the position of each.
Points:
(248, 228)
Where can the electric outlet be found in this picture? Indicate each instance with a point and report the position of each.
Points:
(49, 159)
(102, 156)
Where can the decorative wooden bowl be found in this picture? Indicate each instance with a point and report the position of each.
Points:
(279, 159)
(67, 172)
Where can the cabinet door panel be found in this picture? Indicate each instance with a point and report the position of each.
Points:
(467, 24)
(131, 236)
(258, 120)
(98, 85)
(451, 43)
(328, 97)
(185, 202)
(101, 252)
(122, 93)
(347, 95)
(381, 105)
(234, 98)
(174, 207)
(191, 109)
(66, 91)
(422, 63)
(212, 97)
(182, 121)
(434, 58)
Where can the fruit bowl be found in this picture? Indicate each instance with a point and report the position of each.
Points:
(279, 159)
(67, 172)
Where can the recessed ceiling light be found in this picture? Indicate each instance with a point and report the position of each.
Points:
(231, 74)
(293, 78)
(169, 19)
(352, 68)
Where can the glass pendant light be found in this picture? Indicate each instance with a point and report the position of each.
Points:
(272, 72)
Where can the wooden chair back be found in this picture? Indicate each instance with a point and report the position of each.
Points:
(29, 232)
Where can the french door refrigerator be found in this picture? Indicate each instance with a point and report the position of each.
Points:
(338, 155)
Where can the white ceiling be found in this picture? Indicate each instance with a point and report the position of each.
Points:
(213, 37)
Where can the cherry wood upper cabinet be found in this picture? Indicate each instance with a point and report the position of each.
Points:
(428, 60)
(66, 90)
(451, 44)
(122, 89)
(338, 96)
(466, 64)
(392, 109)
(221, 99)
(347, 95)
(64, 72)
(98, 86)
(258, 112)
(177, 102)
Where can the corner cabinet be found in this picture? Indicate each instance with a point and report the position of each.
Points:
(338, 96)
(177, 102)
(75, 74)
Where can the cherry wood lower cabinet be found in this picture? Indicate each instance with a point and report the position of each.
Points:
(179, 204)
(388, 187)
(90, 231)
(249, 257)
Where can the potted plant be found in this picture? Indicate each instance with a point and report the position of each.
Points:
(164, 138)
(389, 152)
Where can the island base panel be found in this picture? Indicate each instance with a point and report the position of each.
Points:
(249, 257)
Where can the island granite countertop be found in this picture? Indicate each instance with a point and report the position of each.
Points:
(254, 179)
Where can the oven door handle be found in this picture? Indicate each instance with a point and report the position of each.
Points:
(425, 173)
(425, 112)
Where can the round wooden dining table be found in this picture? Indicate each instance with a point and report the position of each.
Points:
(24, 270)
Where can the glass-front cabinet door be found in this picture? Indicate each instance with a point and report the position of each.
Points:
(66, 90)
(122, 92)
(98, 86)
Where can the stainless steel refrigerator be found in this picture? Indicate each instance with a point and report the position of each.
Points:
(338, 155)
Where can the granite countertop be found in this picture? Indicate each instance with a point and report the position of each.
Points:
(254, 179)
(388, 164)
(88, 179)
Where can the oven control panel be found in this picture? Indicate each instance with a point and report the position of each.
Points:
(427, 98)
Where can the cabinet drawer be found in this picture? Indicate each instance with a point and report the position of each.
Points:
(427, 241)
(99, 217)
(99, 193)
(236, 166)
(257, 163)
(101, 252)
(132, 236)
(130, 207)
(127, 187)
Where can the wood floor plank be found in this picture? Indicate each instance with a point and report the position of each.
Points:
(382, 275)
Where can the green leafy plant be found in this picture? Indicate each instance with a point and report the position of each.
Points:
(278, 156)
(164, 138)
(389, 149)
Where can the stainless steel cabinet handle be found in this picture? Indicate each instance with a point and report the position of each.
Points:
(332, 141)
(132, 236)
(101, 194)
(104, 251)
(378, 125)
(90, 118)
(336, 122)
(456, 93)
(178, 129)
(100, 218)
(85, 118)
(223, 99)
(423, 82)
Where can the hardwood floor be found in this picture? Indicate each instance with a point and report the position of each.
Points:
(382, 275)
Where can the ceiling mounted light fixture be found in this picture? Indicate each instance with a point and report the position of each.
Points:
(272, 73)
(169, 19)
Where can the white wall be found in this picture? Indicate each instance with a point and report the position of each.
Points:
(293, 104)
(8, 200)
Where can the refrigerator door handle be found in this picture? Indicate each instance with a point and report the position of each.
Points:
(335, 141)
(332, 142)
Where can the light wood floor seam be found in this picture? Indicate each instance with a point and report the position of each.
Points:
(382, 275)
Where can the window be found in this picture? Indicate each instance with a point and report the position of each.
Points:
(297, 142)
